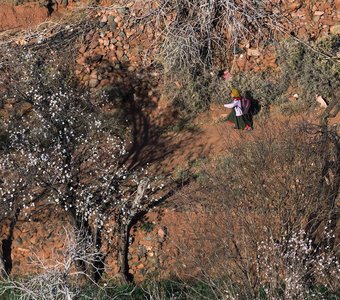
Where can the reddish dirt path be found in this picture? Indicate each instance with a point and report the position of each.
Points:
(208, 137)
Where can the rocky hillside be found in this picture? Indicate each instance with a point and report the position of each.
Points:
(117, 51)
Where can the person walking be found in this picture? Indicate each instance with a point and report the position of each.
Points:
(238, 116)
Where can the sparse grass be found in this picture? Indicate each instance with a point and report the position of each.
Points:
(182, 124)
(305, 71)
(302, 69)
(270, 188)
(147, 226)
(181, 290)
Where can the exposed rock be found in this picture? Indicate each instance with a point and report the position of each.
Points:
(81, 60)
(113, 25)
(22, 108)
(101, 24)
(96, 58)
(94, 44)
(104, 19)
(253, 52)
(119, 53)
(83, 49)
(321, 101)
(125, 59)
(118, 19)
(123, 10)
(94, 75)
(93, 82)
(319, 13)
(335, 29)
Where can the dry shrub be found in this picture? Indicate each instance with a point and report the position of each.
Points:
(277, 190)
(198, 35)
(305, 70)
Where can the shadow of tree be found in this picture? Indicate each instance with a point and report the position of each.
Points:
(134, 94)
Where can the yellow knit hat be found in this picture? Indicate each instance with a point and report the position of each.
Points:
(235, 93)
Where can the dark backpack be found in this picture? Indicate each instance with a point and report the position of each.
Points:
(245, 105)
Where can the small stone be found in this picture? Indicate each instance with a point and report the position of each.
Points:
(125, 58)
(105, 82)
(96, 58)
(123, 10)
(117, 19)
(112, 25)
(253, 52)
(94, 44)
(82, 49)
(316, 18)
(161, 233)
(321, 101)
(110, 19)
(319, 13)
(81, 60)
(104, 19)
(119, 53)
(102, 24)
(93, 82)
(131, 69)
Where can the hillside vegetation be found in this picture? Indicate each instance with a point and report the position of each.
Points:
(110, 187)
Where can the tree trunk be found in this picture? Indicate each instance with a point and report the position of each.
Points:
(96, 268)
(6, 251)
(122, 255)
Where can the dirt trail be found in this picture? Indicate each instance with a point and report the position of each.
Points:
(208, 136)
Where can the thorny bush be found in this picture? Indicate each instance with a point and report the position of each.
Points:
(197, 35)
(268, 201)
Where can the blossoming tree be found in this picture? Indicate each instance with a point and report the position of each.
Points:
(64, 150)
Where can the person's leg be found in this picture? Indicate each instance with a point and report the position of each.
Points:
(241, 124)
(232, 118)
(247, 122)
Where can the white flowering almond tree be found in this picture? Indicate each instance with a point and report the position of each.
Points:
(65, 151)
